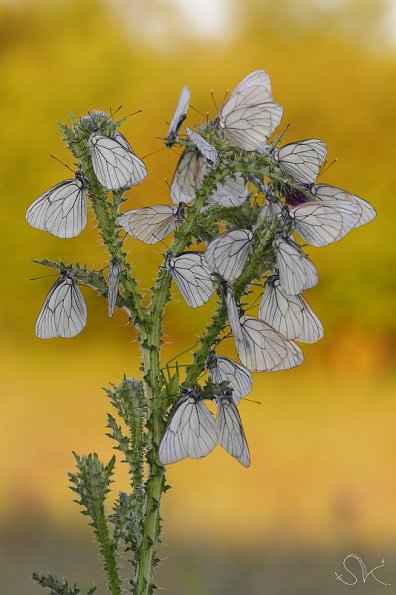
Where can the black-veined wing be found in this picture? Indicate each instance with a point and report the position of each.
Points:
(294, 357)
(185, 181)
(260, 347)
(301, 160)
(321, 223)
(206, 149)
(114, 163)
(223, 369)
(112, 284)
(64, 313)
(249, 116)
(151, 224)
(190, 430)
(178, 117)
(62, 210)
(230, 434)
(296, 271)
(192, 276)
(228, 253)
(291, 315)
(325, 192)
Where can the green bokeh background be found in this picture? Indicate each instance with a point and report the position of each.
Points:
(322, 482)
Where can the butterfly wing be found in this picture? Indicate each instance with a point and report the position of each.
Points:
(317, 223)
(190, 432)
(249, 116)
(260, 348)
(228, 253)
(185, 181)
(294, 357)
(301, 160)
(62, 210)
(291, 315)
(179, 116)
(205, 148)
(296, 271)
(192, 277)
(223, 369)
(64, 313)
(113, 282)
(149, 224)
(115, 165)
(230, 432)
(326, 192)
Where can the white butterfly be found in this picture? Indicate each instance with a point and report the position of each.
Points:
(151, 224)
(228, 253)
(113, 282)
(190, 430)
(291, 315)
(260, 347)
(321, 223)
(301, 160)
(269, 211)
(230, 434)
(62, 210)
(179, 116)
(115, 164)
(64, 313)
(325, 192)
(205, 148)
(233, 192)
(249, 116)
(223, 369)
(296, 271)
(192, 276)
(185, 180)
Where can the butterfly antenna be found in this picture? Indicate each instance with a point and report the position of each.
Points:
(326, 166)
(139, 111)
(112, 114)
(280, 136)
(153, 152)
(225, 96)
(213, 99)
(63, 163)
(207, 119)
(42, 277)
(197, 110)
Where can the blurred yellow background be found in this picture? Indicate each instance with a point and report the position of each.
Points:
(322, 482)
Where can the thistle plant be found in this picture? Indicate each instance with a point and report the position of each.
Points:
(242, 206)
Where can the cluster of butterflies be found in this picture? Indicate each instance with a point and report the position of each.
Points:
(318, 213)
(62, 211)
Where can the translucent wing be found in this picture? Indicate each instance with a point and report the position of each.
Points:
(179, 116)
(64, 313)
(249, 116)
(302, 160)
(291, 315)
(269, 211)
(223, 369)
(321, 223)
(317, 223)
(228, 253)
(294, 357)
(192, 277)
(296, 271)
(62, 210)
(205, 148)
(150, 224)
(230, 432)
(326, 192)
(232, 193)
(185, 182)
(260, 348)
(190, 431)
(113, 282)
(114, 163)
